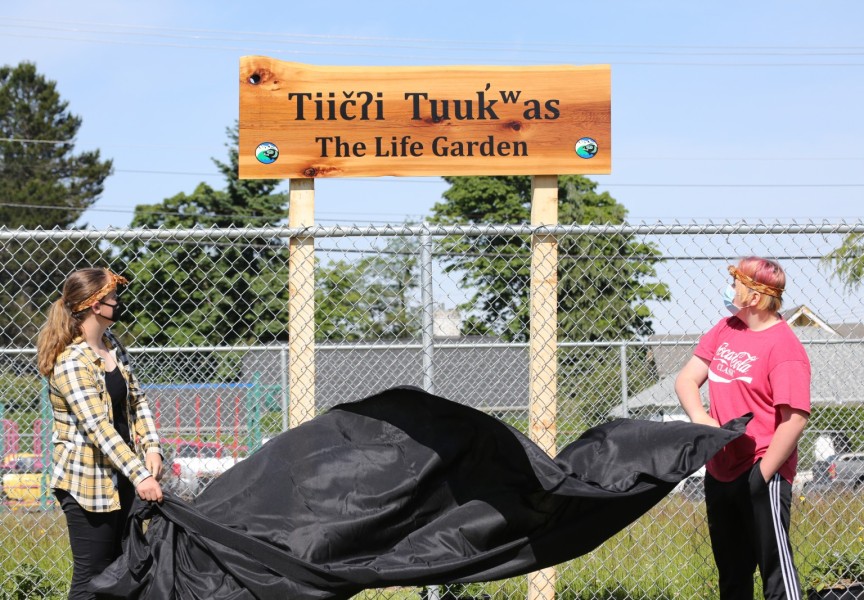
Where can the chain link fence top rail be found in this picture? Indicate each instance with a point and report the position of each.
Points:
(446, 309)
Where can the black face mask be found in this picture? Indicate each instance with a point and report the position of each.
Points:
(117, 310)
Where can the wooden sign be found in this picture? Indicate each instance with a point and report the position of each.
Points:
(303, 121)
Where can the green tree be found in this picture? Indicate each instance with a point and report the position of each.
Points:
(604, 281)
(847, 261)
(206, 292)
(39, 168)
(32, 274)
(222, 293)
(369, 299)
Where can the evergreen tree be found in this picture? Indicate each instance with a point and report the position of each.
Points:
(38, 168)
(369, 299)
(211, 293)
(223, 293)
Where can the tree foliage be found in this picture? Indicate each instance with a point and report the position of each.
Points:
(212, 293)
(32, 274)
(206, 292)
(39, 168)
(847, 261)
(369, 299)
(604, 281)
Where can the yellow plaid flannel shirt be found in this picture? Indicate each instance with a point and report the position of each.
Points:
(88, 451)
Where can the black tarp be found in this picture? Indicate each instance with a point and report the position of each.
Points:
(402, 488)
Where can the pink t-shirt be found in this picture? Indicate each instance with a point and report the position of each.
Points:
(753, 371)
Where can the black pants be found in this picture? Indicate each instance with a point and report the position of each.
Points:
(94, 537)
(749, 525)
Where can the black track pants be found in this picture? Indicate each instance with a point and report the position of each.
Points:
(749, 525)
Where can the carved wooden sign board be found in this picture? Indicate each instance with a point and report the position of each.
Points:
(303, 121)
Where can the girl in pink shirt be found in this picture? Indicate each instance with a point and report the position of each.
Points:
(753, 363)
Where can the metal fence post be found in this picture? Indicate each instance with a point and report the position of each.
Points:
(253, 414)
(428, 334)
(45, 433)
(428, 338)
(283, 380)
(623, 353)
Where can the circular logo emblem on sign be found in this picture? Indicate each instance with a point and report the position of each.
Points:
(586, 147)
(266, 153)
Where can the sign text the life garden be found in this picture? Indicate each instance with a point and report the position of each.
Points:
(301, 121)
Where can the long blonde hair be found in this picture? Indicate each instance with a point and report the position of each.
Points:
(62, 325)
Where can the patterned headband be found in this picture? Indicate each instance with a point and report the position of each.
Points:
(113, 281)
(755, 285)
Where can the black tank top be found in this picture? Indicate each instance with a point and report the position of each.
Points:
(116, 386)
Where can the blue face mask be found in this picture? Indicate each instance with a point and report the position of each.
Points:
(728, 299)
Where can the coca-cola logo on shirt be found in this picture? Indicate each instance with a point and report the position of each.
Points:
(733, 363)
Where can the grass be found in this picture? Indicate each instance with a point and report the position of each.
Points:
(31, 538)
(665, 555)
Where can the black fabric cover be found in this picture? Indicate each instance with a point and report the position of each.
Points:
(403, 488)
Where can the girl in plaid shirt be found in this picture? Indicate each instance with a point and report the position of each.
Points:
(100, 415)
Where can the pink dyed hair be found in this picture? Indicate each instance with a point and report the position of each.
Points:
(767, 272)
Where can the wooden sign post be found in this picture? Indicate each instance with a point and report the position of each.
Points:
(301, 304)
(543, 344)
(303, 122)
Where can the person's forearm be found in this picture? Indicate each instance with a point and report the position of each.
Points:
(783, 444)
(691, 401)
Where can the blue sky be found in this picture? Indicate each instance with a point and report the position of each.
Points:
(721, 111)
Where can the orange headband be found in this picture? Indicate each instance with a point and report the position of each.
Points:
(755, 285)
(113, 281)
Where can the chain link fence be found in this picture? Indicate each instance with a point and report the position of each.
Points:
(446, 309)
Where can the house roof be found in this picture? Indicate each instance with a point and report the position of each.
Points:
(849, 330)
(801, 316)
(837, 367)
